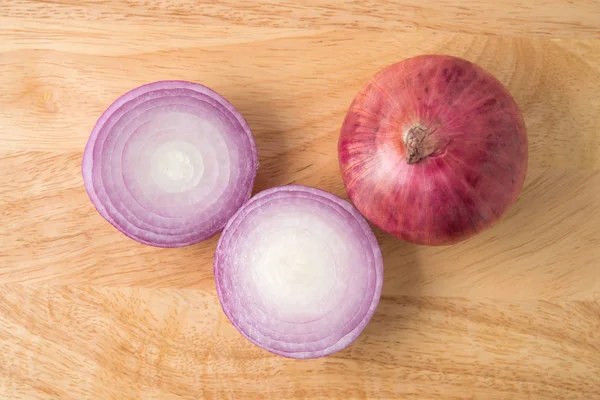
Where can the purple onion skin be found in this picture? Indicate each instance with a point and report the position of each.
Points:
(433, 150)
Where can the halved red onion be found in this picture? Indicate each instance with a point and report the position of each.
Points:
(168, 163)
(298, 271)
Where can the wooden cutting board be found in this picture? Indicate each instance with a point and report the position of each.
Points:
(86, 313)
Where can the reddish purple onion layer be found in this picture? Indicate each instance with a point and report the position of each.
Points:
(168, 163)
(298, 271)
(433, 150)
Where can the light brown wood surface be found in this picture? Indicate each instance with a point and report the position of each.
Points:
(86, 313)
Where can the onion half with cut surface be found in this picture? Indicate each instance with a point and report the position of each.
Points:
(168, 163)
(298, 271)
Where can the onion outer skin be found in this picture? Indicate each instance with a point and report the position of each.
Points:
(187, 95)
(465, 171)
(227, 294)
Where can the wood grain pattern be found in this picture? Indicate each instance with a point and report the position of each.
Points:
(117, 343)
(86, 313)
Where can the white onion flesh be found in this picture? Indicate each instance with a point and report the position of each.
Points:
(169, 163)
(298, 271)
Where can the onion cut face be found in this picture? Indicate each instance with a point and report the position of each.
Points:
(298, 271)
(168, 163)
(433, 150)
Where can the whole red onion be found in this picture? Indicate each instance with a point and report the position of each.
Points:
(433, 150)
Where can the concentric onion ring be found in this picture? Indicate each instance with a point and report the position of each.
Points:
(168, 163)
(298, 271)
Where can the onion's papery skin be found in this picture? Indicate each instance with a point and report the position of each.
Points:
(118, 168)
(469, 162)
(351, 297)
